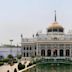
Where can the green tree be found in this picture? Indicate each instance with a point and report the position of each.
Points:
(19, 56)
(10, 56)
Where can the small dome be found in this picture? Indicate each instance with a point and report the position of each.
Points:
(55, 25)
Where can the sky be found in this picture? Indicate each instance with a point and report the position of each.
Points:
(30, 16)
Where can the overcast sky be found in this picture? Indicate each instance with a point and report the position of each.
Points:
(29, 16)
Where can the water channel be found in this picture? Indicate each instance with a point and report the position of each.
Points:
(51, 68)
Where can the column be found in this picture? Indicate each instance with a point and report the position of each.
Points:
(52, 52)
(70, 50)
(57, 52)
(37, 49)
(46, 51)
(64, 50)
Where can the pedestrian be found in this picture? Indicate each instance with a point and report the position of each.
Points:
(8, 71)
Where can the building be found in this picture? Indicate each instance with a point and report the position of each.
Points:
(54, 44)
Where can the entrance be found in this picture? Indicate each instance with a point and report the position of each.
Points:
(55, 53)
(43, 52)
(49, 52)
(61, 53)
(67, 52)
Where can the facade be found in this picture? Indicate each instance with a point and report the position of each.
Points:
(54, 44)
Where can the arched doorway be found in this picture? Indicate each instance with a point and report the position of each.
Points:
(67, 52)
(27, 54)
(61, 52)
(55, 52)
(42, 52)
(49, 52)
(24, 54)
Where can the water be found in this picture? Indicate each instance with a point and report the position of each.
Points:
(51, 68)
(6, 51)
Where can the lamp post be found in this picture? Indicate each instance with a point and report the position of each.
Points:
(11, 46)
(17, 49)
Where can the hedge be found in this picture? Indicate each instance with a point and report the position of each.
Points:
(1, 63)
(20, 66)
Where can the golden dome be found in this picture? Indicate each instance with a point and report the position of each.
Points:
(55, 25)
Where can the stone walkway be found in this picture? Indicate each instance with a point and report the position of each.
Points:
(4, 68)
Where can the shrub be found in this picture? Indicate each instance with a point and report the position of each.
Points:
(14, 61)
(34, 62)
(1, 60)
(15, 70)
(20, 66)
(1, 63)
(10, 56)
(23, 66)
(5, 60)
(19, 56)
(29, 64)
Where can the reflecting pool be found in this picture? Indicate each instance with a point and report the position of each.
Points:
(51, 68)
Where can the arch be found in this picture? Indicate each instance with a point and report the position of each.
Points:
(48, 52)
(42, 52)
(24, 48)
(24, 54)
(35, 53)
(30, 48)
(27, 54)
(61, 52)
(27, 48)
(55, 52)
(67, 52)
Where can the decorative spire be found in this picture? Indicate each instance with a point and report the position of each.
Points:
(21, 36)
(55, 15)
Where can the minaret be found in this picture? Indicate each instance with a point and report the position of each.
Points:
(21, 36)
(55, 16)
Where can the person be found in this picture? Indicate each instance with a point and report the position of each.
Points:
(7, 70)
(15, 70)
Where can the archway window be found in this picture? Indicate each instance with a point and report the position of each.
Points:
(61, 53)
(55, 38)
(67, 52)
(30, 48)
(24, 48)
(49, 52)
(43, 52)
(35, 47)
(27, 48)
(24, 54)
(27, 54)
(35, 53)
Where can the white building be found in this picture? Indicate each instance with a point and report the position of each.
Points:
(54, 44)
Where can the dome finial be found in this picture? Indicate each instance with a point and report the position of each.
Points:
(55, 15)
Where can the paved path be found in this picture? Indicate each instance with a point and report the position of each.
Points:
(4, 68)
